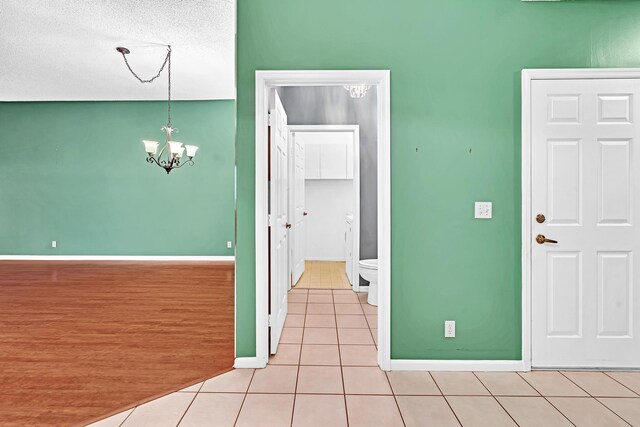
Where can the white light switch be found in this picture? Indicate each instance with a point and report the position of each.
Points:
(229, 244)
(54, 243)
(484, 210)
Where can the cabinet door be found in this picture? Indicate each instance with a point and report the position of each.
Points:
(312, 160)
(333, 160)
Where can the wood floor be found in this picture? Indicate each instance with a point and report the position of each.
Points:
(82, 340)
(324, 275)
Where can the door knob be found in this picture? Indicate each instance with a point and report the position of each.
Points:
(540, 218)
(288, 225)
(305, 214)
(541, 239)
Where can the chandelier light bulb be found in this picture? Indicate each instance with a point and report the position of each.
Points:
(151, 147)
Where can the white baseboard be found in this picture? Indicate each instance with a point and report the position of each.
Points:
(458, 365)
(249, 363)
(326, 259)
(112, 258)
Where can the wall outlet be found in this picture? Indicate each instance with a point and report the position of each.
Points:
(54, 243)
(229, 245)
(483, 210)
(449, 328)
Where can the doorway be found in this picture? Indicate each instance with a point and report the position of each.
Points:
(266, 82)
(580, 218)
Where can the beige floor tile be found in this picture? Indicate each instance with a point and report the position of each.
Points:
(343, 292)
(374, 334)
(320, 298)
(297, 297)
(296, 308)
(236, 381)
(274, 379)
(193, 388)
(294, 320)
(598, 384)
(112, 421)
(348, 309)
(586, 412)
(213, 409)
(373, 411)
(506, 384)
(369, 309)
(629, 379)
(479, 411)
(320, 380)
(351, 298)
(367, 380)
(320, 292)
(552, 383)
(358, 355)
(372, 320)
(459, 383)
(626, 408)
(351, 321)
(320, 355)
(355, 336)
(533, 412)
(317, 410)
(165, 411)
(362, 296)
(299, 291)
(291, 336)
(412, 383)
(320, 321)
(320, 308)
(426, 411)
(320, 336)
(286, 354)
(266, 410)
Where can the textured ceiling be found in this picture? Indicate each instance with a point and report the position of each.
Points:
(65, 49)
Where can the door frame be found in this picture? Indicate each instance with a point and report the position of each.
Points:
(355, 130)
(380, 80)
(528, 76)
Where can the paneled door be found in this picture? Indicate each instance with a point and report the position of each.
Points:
(278, 221)
(585, 193)
(299, 214)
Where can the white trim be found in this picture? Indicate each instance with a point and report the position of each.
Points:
(113, 258)
(528, 75)
(458, 365)
(355, 129)
(249, 363)
(264, 80)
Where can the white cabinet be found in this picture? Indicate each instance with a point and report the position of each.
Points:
(348, 248)
(328, 155)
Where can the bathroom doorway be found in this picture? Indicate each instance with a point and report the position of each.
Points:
(273, 298)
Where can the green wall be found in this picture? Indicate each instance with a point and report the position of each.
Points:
(455, 119)
(75, 172)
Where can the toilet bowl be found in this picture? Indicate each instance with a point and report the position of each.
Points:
(369, 272)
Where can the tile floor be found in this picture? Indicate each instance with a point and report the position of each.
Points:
(325, 374)
(324, 275)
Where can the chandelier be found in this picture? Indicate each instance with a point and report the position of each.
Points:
(173, 151)
(357, 91)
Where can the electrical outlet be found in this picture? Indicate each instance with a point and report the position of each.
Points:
(449, 328)
(229, 246)
(483, 210)
(54, 243)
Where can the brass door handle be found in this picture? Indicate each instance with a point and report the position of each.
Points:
(288, 225)
(541, 239)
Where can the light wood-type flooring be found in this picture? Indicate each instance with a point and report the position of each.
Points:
(324, 275)
(82, 340)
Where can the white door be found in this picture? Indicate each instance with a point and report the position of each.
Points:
(279, 226)
(299, 214)
(586, 183)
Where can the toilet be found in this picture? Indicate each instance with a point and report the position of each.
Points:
(369, 272)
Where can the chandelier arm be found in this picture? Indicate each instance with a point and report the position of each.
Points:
(167, 59)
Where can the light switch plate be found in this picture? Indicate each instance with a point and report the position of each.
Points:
(54, 243)
(484, 210)
(449, 328)
(229, 244)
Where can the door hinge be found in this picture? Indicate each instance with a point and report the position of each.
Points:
(269, 320)
(269, 118)
(269, 220)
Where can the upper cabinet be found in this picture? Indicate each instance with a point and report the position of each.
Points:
(328, 155)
